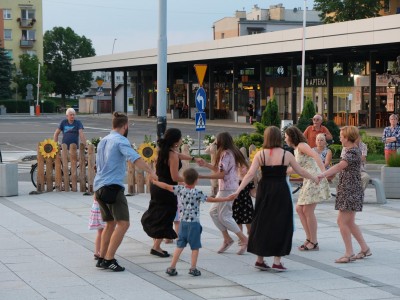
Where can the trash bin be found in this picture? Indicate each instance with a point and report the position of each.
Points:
(8, 179)
(3, 110)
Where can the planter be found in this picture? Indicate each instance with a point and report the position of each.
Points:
(390, 177)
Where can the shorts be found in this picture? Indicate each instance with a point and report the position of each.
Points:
(117, 211)
(189, 232)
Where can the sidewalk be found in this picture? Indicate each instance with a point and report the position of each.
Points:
(46, 252)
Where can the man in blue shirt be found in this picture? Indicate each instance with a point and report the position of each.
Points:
(112, 153)
(72, 129)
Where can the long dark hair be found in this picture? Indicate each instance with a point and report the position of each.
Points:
(225, 142)
(171, 137)
(295, 136)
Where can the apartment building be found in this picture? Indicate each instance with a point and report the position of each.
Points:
(260, 20)
(21, 28)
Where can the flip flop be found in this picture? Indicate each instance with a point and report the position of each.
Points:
(159, 254)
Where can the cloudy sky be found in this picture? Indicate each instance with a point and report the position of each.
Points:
(134, 24)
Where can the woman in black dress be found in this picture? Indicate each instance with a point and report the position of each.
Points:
(158, 220)
(272, 227)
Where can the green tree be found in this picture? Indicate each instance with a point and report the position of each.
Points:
(28, 72)
(333, 11)
(269, 117)
(61, 45)
(5, 74)
(306, 115)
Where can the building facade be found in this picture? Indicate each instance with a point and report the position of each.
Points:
(21, 26)
(260, 20)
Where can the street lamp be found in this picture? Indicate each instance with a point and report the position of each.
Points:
(113, 46)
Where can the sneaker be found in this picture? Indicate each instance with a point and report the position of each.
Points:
(99, 262)
(112, 265)
(194, 272)
(262, 266)
(171, 272)
(279, 268)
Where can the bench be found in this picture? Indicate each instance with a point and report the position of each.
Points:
(380, 192)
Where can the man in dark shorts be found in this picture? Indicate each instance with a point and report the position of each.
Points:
(112, 153)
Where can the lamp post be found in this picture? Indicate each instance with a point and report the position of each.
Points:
(303, 57)
(113, 46)
(162, 70)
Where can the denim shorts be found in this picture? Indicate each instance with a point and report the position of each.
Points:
(189, 232)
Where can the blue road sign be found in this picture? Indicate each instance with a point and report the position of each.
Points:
(200, 99)
(200, 121)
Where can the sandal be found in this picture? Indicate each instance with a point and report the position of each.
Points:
(345, 259)
(314, 247)
(194, 272)
(363, 254)
(301, 248)
(171, 272)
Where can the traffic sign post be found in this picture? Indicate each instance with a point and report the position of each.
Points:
(200, 121)
(200, 99)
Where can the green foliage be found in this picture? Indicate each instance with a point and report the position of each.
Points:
(5, 74)
(394, 160)
(374, 144)
(61, 45)
(306, 115)
(308, 110)
(347, 10)
(336, 150)
(260, 127)
(270, 115)
(15, 106)
(29, 75)
(333, 129)
(245, 140)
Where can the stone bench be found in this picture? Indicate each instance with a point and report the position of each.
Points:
(380, 192)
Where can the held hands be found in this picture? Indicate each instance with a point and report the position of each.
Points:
(200, 162)
(231, 197)
(153, 176)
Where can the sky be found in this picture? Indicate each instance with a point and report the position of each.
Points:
(124, 26)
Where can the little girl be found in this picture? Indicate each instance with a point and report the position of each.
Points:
(243, 205)
(96, 223)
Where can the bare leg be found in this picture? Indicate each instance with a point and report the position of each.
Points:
(227, 237)
(195, 255)
(106, 236)
(116, 239)
(97, 242)
(175, 258)
(157, 245)
(356, 232)
(343, 220)
(311, 221)
(248, 227)
(277, 260)
(303, 220)
(260, 259)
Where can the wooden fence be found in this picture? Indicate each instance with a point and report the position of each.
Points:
(74, 170)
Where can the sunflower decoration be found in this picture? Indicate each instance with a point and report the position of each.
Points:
(253, 153)
(147, 151)
(48, 148)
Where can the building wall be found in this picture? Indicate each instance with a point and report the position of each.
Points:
(394, 8)
(1, 28)
(14, 44)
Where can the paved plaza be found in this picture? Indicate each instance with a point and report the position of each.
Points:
(46, 252)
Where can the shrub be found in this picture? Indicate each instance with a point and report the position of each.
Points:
(394, 160)
(14, 106)
(270, 115)
(336, 150)
(334, 130)
(245, 140)
(306, 115)
(374, 144)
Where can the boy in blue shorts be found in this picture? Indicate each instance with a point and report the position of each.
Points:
(189, 199)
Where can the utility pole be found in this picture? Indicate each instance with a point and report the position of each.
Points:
(38, 89)
(162, 70)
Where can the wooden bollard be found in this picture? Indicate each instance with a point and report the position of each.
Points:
(91, 165)
(40, 171)
(74, 163)
(140, 181)
(57, 172)
(131, 179)
(49, 174)
(64, 160)
(82, 168)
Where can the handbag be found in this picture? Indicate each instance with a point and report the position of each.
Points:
(108, 193)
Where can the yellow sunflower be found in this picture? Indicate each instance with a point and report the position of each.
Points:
(148, 152)
(253, 153)
(48, 148)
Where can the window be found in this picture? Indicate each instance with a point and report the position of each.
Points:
(7, 34)
(6, 14)
(9, 53)
(28, 35)
(27, 14)
(386, 6)
(31, 52)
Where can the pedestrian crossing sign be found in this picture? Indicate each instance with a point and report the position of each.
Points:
(200, 121)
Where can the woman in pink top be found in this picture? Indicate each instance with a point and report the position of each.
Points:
(227, 161)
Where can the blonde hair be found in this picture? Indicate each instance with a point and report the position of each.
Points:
(350, 132)
(321, 135)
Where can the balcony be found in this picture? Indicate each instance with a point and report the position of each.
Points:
(26, 23)
(26, 43)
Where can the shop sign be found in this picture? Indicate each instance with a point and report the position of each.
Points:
(315, 81)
